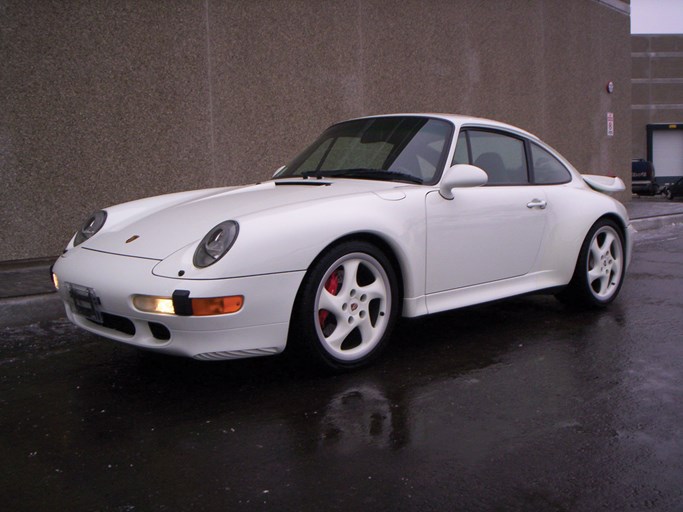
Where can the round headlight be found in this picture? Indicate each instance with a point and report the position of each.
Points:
(215, 244)
(91, 226)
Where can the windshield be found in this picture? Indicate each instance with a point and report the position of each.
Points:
(409, 149)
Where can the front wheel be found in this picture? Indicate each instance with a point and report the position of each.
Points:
(346, 307)
(600, 269)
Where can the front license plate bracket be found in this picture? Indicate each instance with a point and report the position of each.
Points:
(85, 302)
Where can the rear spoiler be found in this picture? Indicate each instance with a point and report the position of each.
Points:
(604, 183)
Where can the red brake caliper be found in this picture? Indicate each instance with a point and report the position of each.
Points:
(332, 286)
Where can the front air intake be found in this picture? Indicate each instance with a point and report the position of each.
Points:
(159, 331)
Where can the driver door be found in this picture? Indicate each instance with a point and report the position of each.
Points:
(488, 233)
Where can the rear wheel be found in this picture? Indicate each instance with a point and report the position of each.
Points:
(599, 271)
(346, 307)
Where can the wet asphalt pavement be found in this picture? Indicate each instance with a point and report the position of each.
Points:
(517, 405)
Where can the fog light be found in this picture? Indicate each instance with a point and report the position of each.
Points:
(55, 280)
(217, 305)
(152, 304)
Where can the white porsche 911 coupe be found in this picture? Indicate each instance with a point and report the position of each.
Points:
(381, 216)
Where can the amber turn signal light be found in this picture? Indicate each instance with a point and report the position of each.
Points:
(217, 305)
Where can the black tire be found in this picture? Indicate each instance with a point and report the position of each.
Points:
(346, 307)
(600, 268)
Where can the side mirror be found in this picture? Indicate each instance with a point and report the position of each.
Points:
(279, 170)
(461, 176)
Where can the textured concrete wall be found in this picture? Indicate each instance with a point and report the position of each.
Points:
(657, 85)
(105, 101)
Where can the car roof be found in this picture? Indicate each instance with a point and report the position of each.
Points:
(462, 120)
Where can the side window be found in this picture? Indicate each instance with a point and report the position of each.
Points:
(548, 170)
(462, 154)
(501, 156)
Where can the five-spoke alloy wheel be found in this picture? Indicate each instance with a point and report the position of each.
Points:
(600, 268)
(347, 305)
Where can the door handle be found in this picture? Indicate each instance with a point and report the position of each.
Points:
(537, 203)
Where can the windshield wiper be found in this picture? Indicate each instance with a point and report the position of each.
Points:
(364, 174)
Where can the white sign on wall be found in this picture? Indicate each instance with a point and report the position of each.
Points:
(610, 124)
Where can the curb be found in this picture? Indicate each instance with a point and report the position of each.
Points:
(20, 311)
(659, 221)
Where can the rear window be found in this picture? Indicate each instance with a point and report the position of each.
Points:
(642, 170)
(548, 170)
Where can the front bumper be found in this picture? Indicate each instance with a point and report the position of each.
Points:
(259, 328)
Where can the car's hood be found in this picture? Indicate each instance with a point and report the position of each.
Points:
(156, 231)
